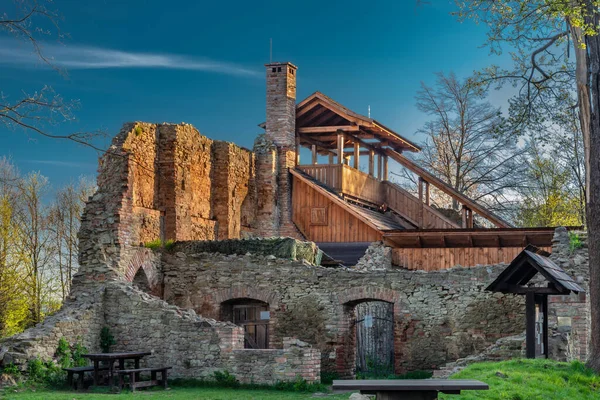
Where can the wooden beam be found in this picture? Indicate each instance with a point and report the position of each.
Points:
(499, 222)
(427, 197)
(371, 162)
(356, 154)
(311, 117)
(530, 324)
(321, 145)
(331, 158)
(386, 169)
(314, 154)
(464, 216)
(328, 129)
(298, 150)
(340, 144)
(420, 183)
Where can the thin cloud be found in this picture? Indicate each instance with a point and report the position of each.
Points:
(57, 163)
(89, 57)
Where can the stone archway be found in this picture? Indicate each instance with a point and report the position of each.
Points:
(369, 344)
(143, 271)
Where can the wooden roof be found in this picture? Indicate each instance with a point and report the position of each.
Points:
(319, 118)
(480, 237)
(525, 266)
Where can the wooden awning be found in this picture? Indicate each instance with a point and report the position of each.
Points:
(488, 237)
(319, 119)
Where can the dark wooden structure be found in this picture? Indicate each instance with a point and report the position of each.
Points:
(518, 278)
(409, 389)
(76, 375)
(109, 360)
(134, 378)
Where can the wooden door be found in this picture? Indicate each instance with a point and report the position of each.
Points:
(374, 339)
(256, 327)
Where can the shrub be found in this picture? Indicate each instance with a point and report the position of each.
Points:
(574, 242)
(63, 353)
(11, 369)
(138, 130)
(226, 379)
(328, 377)
(106, 340)
(157, 244)
(77, 353)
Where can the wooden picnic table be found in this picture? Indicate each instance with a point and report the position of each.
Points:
(111, 358)
(408, 389)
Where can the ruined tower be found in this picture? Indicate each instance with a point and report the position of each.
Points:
(276, 153)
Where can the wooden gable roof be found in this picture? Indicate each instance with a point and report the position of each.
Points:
(319, 118)
(525, 266)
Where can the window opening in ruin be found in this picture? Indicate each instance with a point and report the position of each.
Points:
(278, 69)
(253, 316)
(374, 332)
(273, 70)
(141, 281)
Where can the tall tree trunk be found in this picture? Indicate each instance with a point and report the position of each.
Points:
(593, 205)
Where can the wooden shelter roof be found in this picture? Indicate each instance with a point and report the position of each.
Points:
(319, 118)
(478, 237)
(525, 266)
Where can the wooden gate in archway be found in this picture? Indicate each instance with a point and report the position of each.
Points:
(374, 325)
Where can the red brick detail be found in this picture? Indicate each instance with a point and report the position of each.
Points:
(145, 259)
(261, 294)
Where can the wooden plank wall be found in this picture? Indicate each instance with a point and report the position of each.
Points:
(362, 186)
(340, 225)
(434, 259)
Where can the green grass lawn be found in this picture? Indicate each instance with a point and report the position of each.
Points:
(176, 393)
(530, 380)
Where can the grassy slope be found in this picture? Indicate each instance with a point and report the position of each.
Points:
(530, 380)
(174, 394)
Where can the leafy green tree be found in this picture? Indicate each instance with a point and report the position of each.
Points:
(542, 35)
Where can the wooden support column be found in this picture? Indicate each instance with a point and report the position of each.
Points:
(314, 154)
(386, 169)
(464, 216)
(544, 310)
(356, 155)
(371, 162)
(420, 184)
(330, 158)
(427, 193)
(340, 147)
(530, 324)
(379, 166)
(298, 147)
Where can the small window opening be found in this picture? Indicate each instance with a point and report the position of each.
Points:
(292, 71)
(273, 69)
(278, 69)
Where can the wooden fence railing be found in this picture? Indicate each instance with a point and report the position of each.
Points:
(347, 181)
(417, 212)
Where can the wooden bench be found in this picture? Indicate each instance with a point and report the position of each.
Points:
(80, 372)
(408, 389)
(134, 377)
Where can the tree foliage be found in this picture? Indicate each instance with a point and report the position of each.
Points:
(35, 267)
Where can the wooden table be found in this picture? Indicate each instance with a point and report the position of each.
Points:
(408, 389)
(110, 358)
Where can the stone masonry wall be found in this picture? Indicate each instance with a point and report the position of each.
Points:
(438, 316)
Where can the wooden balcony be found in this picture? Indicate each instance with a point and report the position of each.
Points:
(347, 181)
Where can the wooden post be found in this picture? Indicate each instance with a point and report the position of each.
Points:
(544, 309)
(469, 218)
(530, 324)
(464, 216)
(340, 146)
(426, 192)
(356, 154)
(371, 162)
(298, 150)
(379, 167)
(314, 154)
(330, 158)
(420, 183)
(385, 169)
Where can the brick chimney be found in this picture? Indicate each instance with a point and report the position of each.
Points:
(281, 104)
(276, 153)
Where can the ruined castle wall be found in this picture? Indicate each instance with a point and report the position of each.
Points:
(438, 316)
(234, 202)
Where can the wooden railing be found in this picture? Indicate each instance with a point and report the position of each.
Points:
(347, 181)
(417, 212)
(352, 182)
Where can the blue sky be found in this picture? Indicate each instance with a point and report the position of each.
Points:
(202, 63)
